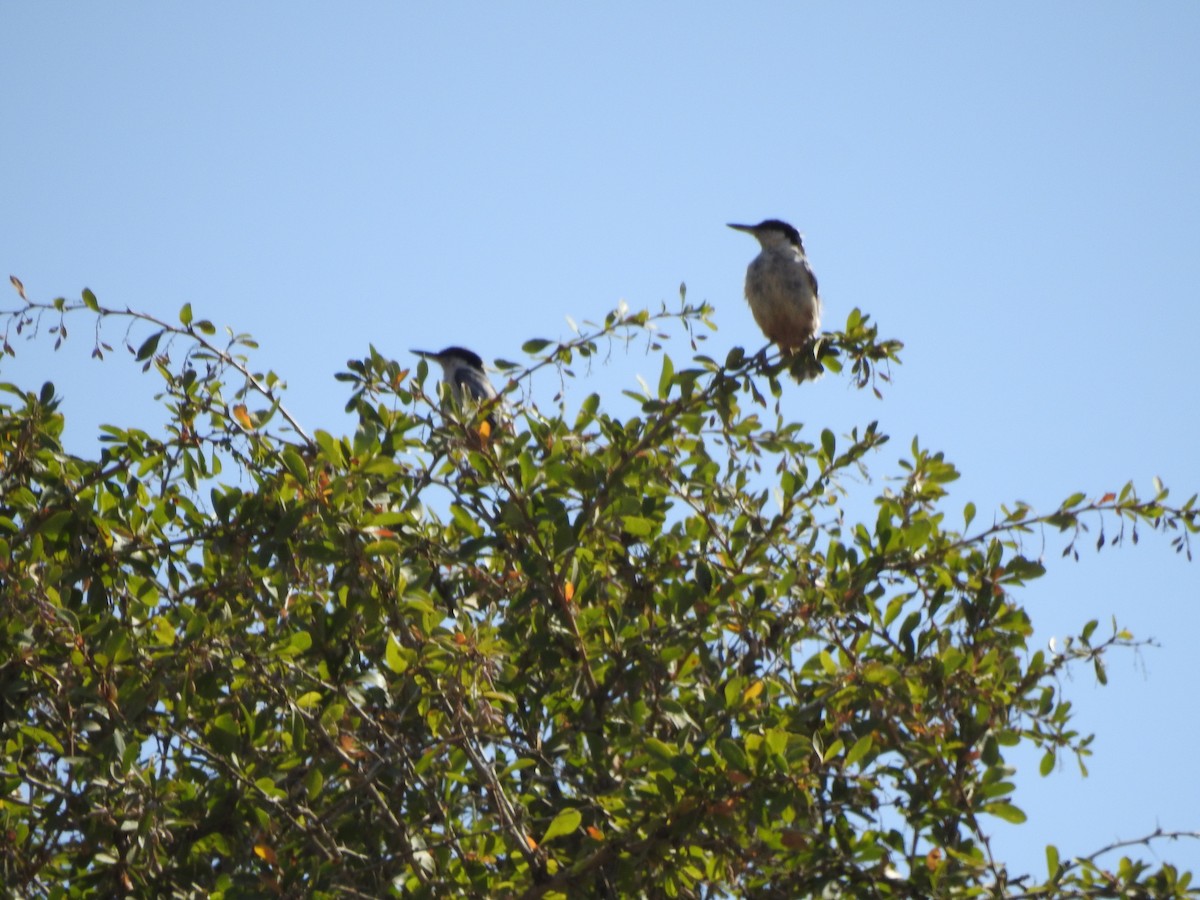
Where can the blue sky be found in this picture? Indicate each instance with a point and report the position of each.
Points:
(1013, 191)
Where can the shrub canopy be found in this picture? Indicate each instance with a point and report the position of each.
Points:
(582, 654)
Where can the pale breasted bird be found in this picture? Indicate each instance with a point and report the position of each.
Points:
(463, 371)
(781, 287)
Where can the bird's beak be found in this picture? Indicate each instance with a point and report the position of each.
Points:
(749, 229)
(424, 353)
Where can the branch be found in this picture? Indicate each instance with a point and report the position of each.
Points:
(195, 332)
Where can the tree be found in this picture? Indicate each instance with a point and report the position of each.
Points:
(586, 655)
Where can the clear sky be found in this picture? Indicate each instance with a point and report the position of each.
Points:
(1012, 190)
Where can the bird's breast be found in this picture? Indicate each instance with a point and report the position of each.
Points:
(783, 299)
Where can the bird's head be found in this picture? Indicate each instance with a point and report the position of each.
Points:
(773, 233)
(453, 356)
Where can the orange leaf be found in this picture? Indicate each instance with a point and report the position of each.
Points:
(265, 853)
(933, 858)
(595, 833)
(793, 839)
(531, 842)
(722, 808)
(485, 430)
(243, 416)
(569, 592)
(1108, 498)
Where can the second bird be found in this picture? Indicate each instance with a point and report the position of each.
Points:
(463, 371)
(781, 287)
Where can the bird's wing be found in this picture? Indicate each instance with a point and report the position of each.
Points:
(475, 385)
(812, 278)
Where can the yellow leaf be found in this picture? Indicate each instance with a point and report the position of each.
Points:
(243, 416)
(485, 431)
(753, 691)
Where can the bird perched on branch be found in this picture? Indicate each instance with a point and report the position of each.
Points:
(463, 371)
(781, 287)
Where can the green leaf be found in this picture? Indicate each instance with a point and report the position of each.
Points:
(185, 314)
(828, 443)
(89, 300)
(777, 740)
(41, 736)
(968, 515)
(313, 782)
(53, 527)
(665, 378)
(269, 789)
(535, 346)
(564, 823)
(295, 464)
(382, 548)
(659, 750)
(733, 754)
(1002, 809)
(164, 632)
(1047, 763)
(1052, 861)
(860, 749)
(637, 526)
(300, 642)
(394, 655)
(149, 345)
(828, 663)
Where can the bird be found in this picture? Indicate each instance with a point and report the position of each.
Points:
(781, 287)
(463, 372)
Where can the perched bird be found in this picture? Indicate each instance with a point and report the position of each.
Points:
(781, 287)
(463, 371)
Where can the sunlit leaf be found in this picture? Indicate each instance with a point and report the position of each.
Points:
(565, 822)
